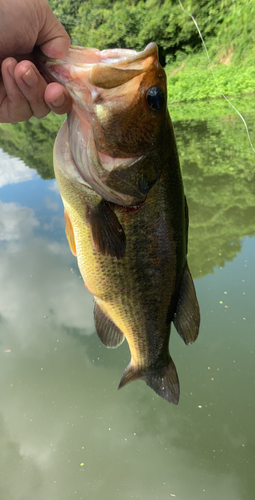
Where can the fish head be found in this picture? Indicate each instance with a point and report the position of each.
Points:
(117, 124)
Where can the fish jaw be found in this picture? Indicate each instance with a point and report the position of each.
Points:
(115, 137)
(111, 93)
(94, 68)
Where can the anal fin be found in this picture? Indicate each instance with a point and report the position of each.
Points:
(70, 233)
(107, 233)
(109, 334)
(187, 315)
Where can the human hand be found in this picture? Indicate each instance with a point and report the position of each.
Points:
(23, 91)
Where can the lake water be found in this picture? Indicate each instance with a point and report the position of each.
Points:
(65, 430)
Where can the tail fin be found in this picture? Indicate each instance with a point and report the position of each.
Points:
(164, 381)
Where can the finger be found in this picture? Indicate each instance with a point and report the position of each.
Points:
(53, 38)
(14, 107)
(57, 98)
(32, 85)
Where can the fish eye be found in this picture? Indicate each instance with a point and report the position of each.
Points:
(155, 98)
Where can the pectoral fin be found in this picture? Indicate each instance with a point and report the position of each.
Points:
(109, 334)
(107, 233)
(187, 316)
(70, 233)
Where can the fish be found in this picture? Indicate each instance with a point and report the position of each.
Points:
(126, 216)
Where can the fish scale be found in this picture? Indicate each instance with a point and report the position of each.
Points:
(126, 217)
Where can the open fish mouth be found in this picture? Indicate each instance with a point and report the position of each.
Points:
(106, 69)
(108, 92)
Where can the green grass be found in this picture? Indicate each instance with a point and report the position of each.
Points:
(210, 108)
(192, 80)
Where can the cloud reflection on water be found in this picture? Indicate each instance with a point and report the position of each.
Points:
(59, 403)
(14, 170)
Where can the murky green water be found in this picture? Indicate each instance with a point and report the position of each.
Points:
(65, 430)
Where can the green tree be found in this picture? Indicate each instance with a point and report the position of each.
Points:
(133, 24)
(33, 142)
(218, 172)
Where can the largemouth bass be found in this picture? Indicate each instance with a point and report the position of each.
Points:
(126, 217)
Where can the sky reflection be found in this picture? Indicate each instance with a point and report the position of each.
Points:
(65, 430)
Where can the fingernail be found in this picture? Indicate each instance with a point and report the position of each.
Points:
(59, 101)
(30, 78)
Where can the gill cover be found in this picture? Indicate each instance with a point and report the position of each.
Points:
(117, 123)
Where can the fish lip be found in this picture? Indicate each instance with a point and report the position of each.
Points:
(132, 55)
(116, 58)
(117, 55)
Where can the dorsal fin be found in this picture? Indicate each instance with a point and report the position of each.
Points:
(186, 208)
(187, 316)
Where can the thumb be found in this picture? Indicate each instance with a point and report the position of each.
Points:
(52, 38)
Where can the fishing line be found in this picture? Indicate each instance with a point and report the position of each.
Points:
(215, 81)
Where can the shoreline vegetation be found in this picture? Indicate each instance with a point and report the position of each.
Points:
(227, 26)
(216, 158)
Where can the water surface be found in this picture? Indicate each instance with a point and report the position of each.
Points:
(65, 430)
